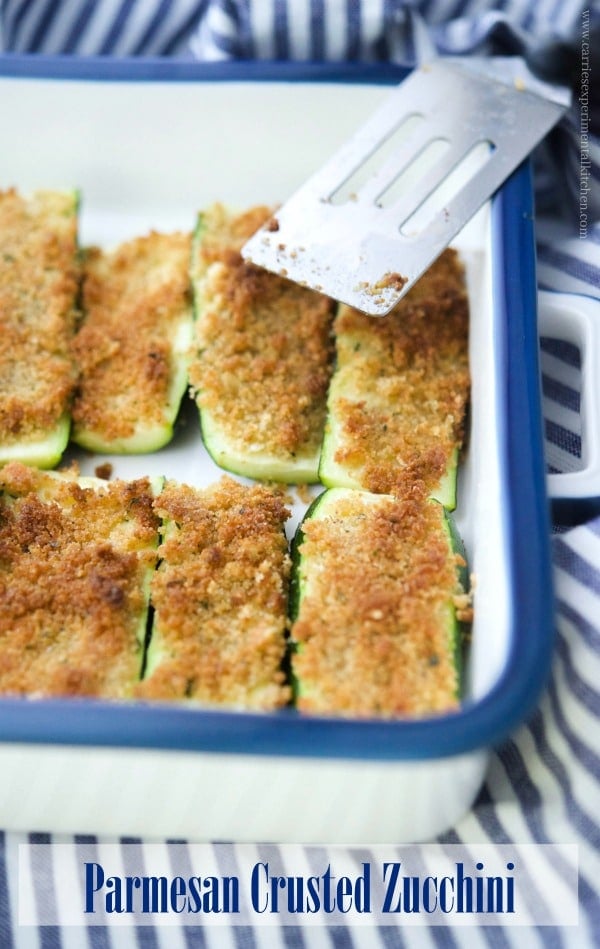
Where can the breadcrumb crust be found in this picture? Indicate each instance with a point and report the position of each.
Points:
(38, 288)
(374, 628)
(381, 585)
(74, 562)
(398, 398)
(134, 298)
(220, 597)
(264, 345)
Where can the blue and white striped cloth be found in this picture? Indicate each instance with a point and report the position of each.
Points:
(100, 27)
(543, 785)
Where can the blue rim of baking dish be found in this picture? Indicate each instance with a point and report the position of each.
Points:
(479, 724)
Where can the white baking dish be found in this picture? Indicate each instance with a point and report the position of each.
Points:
(149, 145)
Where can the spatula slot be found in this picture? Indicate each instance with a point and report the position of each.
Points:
(415, 171)
(375, 159)
(449, 189)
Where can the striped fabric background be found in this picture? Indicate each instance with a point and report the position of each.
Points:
(544, 784)
(100, 27)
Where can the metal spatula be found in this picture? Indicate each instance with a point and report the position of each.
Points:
(444, 140)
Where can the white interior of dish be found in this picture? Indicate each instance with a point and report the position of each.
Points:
(150, 155)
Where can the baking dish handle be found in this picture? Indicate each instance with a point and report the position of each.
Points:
(575, 318)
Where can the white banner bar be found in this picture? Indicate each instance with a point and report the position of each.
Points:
(100, 884)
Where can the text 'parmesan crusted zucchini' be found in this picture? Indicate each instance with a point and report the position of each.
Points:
(376, 603)
(77, 557)
(219, 595)
(263, 359)
(397, 400)
(38, 290)
(133, 345)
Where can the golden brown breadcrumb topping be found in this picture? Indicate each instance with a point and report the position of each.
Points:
(133, 300)
(397, 402)
(264, 345)
(74, 563)
(220, 597)
(38, 288)
(375, 615)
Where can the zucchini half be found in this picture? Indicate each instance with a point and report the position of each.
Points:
(377, 601)
(78, 559)
(219, 598)
(39, 270)
(398, 396)
(133, 346)
(263, 356)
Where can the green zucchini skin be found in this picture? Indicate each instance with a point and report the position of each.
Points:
(457, 630)
(157, 483)
(295, 590)
(446, 492)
